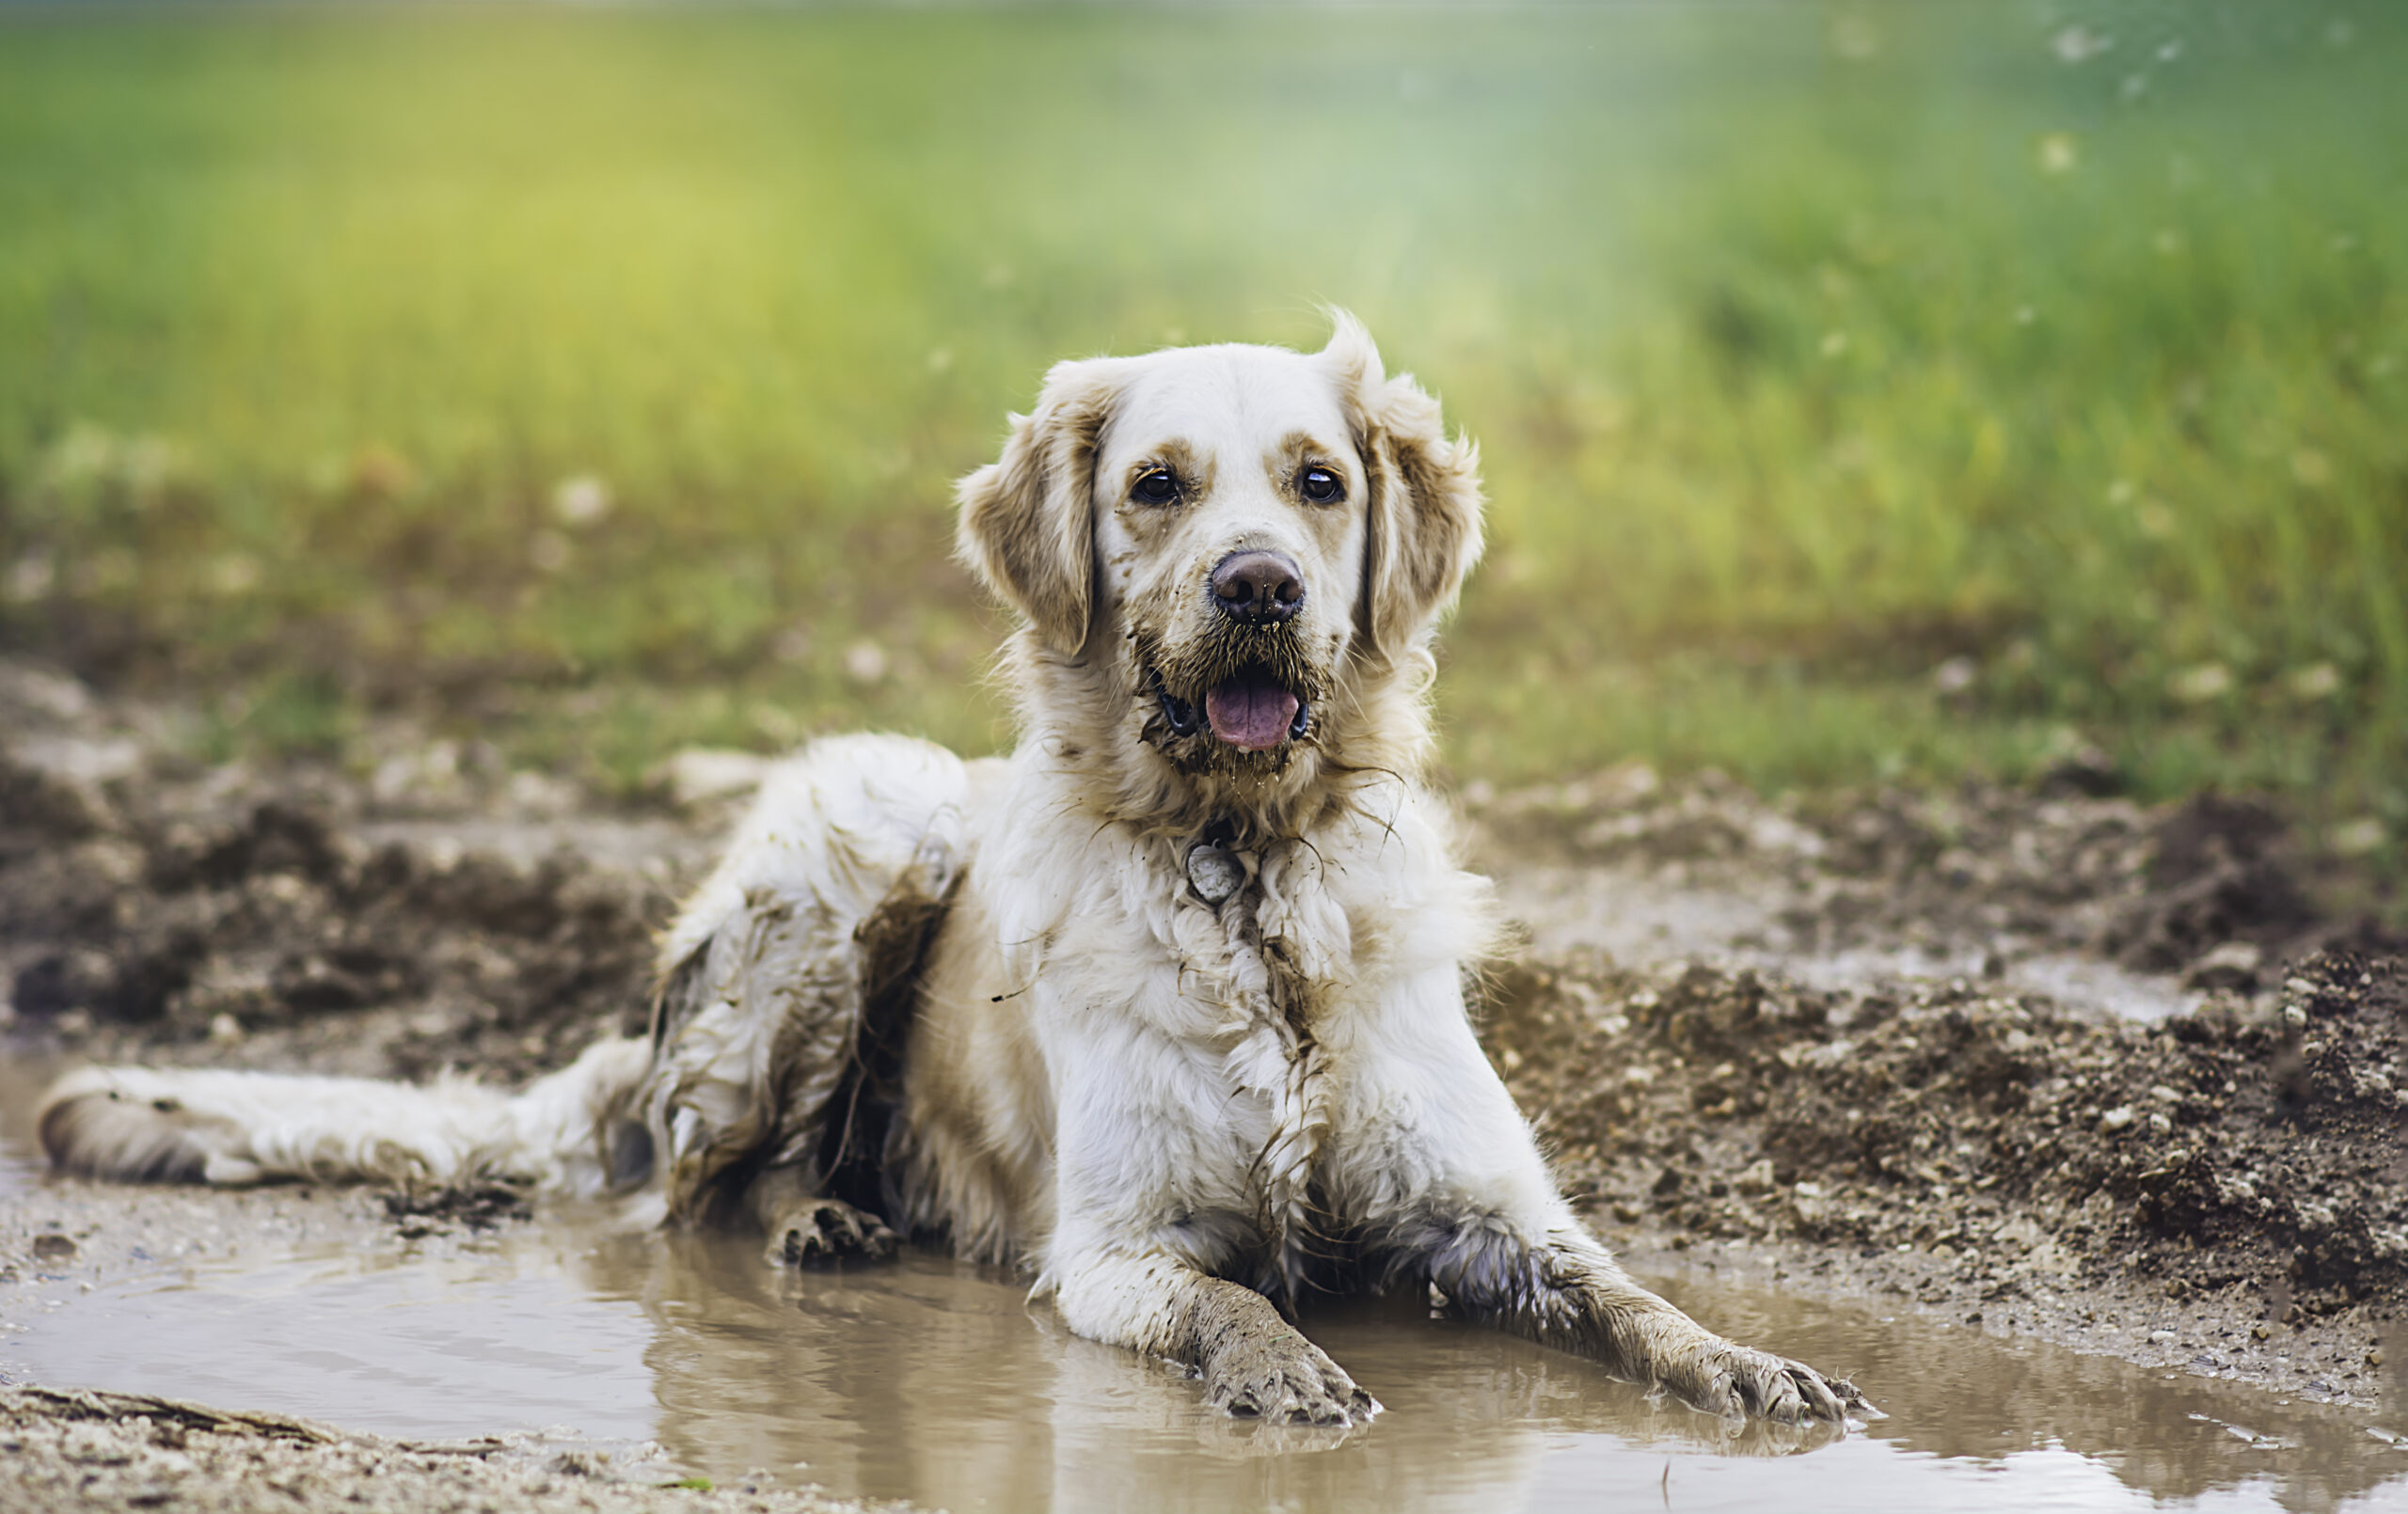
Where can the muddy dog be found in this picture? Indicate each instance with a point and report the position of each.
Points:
(1167, 1007)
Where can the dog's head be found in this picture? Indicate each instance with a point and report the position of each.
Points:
(1229, 557)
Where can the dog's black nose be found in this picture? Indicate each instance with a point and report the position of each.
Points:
(1258, 588)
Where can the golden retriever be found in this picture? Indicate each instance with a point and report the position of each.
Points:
(1167, 1007)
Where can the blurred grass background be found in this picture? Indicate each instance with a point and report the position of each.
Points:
(1868, 391)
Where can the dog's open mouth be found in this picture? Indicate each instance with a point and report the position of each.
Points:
(1250, 710)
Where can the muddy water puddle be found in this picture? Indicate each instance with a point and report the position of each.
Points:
(935, 1381)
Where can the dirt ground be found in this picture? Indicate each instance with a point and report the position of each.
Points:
(1867, 1037)
(2223, 1189)
(81, 1449)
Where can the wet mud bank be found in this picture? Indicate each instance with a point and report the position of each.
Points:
(2051, 1065)
(82, 1449)
(2223, 1192)
(2131, 1079)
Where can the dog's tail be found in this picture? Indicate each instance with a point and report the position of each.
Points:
(576, 1132)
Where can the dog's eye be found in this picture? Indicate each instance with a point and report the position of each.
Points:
(1155, 488)
(1323, 486)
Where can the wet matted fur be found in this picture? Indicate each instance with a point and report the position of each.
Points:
(1167, 1007)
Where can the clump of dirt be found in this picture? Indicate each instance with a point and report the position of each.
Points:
(2249, 1156)
(476, 1207)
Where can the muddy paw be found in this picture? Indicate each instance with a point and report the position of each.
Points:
(824, 1232)
(1736, 1381)
(1285, 1378)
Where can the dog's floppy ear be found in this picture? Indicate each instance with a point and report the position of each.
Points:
(1027, 518)
(1422, 532)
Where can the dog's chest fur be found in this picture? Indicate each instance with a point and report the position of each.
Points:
(1215, 1027)
(1267, 961)
(1104, 1053)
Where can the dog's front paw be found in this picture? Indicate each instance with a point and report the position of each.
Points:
(1276, 1375)
(1723, 1377)
(823, 1232)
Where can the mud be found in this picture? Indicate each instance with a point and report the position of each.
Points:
(2096, 892)
(428, 910)
(2046, 1064)
(2225, 1192)
(483, 1207)
(2127, 1077)
(82, 1449)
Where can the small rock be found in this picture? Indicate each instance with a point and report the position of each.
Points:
(2199, 684)
(2362, 837)
(581, 500)
(52, 1247)
(1955, 675)
(53, 695)
(2117, 1118)
(2233, 964)
(865, 662)
(2020, 1230)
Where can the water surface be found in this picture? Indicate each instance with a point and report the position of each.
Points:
(935, 1381)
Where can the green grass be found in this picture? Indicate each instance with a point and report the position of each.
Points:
(1811, 347)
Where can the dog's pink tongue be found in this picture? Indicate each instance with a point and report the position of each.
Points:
(1250, 712)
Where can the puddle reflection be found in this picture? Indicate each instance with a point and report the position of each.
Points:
(931, 1381)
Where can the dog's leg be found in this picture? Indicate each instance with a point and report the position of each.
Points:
(1130, 1259)
(1564, 1289)
(1433, 1157)
(784, 978)
(1254, 1364)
